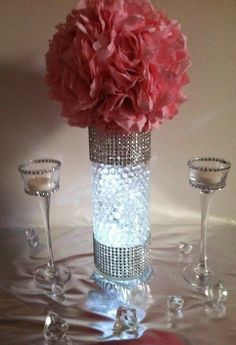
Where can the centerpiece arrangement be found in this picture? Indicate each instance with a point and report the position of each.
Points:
(118, 67)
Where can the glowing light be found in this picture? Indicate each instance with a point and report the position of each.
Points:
(121, 204)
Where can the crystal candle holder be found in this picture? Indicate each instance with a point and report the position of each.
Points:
(207, 175)
(41, 178)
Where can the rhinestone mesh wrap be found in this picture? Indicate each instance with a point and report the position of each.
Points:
(128, 254)
(122, 263)
(119, 149)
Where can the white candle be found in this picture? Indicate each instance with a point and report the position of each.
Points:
(207, 177)
(40, 184)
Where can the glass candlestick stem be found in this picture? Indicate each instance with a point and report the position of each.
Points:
(44, 203)
(202, 269)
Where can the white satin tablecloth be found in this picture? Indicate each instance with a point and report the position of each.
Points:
(89, 312)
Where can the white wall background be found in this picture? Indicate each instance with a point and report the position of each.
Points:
(31, 126)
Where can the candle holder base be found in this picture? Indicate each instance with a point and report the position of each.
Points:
(200, 281)
(44, 277)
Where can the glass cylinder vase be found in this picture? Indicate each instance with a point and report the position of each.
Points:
(120, 192)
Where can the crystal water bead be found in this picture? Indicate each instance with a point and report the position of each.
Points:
(121, 204)
(55, 329)
(32, 238)
(126, 321)
(175, 304)
(185, 248)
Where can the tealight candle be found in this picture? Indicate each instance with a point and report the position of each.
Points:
(40, 184)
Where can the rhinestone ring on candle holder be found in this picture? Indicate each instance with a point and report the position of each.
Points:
(207, 175)
(41, 178)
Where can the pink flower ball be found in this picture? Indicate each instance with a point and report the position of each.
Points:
(118, 65)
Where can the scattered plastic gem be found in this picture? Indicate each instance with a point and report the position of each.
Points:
(215, 313)
(175, 304)
(126, 321)
(185, 248)
(32, 238)
(216, 294)
(55, 328)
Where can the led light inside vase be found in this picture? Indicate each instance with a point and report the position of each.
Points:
(121, 204)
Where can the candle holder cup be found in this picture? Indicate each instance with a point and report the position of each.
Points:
(207, 175)
(41, 178)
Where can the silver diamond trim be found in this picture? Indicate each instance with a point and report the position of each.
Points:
(122, 263)
(27, 171)
(207, 189)
(225, 164)
(119, 149)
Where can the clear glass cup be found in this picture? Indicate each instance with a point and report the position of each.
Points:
(41, 178)
(208, 175)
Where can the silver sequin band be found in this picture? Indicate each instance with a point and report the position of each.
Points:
(119, 149)
(122, 263)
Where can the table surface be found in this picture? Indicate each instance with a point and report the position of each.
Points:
(90, 312)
